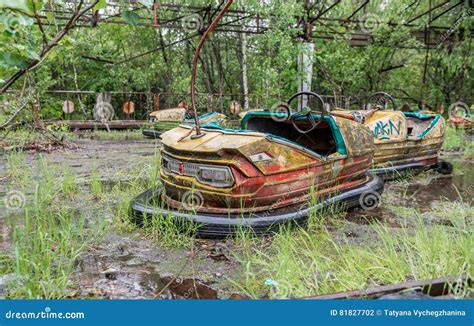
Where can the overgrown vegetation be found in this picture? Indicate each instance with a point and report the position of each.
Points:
(459, 140)
(64, 214)
(294, 262)
(47, 240)
(455, 139)
(314, 261)
(162, 229)
(394, 57)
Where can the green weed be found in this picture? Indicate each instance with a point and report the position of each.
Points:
(46, 245)
(306, 262)
(69, 185)
(96, 185)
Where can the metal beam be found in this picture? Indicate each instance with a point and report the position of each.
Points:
(427, 12)
(358, 9)
(446, 11)
(325, 11)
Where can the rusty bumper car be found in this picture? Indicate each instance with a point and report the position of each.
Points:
(263, 175)
(460, 116)
(404, 141)
(164, 120)
(168, 119)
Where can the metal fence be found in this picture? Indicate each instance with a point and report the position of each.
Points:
(84, 103)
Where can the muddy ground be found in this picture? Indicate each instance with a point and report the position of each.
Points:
(128, 265)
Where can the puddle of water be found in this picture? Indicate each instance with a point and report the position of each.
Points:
(186, 288)
(116, 277)
(458, 186)
(420, 192)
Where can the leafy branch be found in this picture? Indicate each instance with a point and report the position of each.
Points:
(48, 46)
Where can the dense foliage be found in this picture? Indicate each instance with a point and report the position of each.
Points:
(394, 61)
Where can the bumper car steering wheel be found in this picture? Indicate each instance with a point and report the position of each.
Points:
(307, 112)
(380, 100)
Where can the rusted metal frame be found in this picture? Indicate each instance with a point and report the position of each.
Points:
(234, 21)
(157, 49)
(165, 24)
(356, 21)
(322, 13)
(107, 19)
(358, 9)
(428, 11)
(446, 11)
(333, 38)
(173, 6)
(342, 21)
(180, 17)
(195, 63)
(234, 30)
(436, 287)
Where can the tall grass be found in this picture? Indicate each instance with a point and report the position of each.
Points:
(18, 171)
(47, 240)
(167, 232)
(163, 229)
(69, 185)
(47, 184)
(47, 243)
(311, 261)
(113, 135)
(454, 139)
(97, 188)
(154, 169)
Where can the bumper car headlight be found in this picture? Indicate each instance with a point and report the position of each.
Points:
(215, 176)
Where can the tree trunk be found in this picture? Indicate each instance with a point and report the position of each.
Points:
(243, 63)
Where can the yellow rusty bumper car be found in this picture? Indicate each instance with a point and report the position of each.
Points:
(267, 173)
(404, 141)
(168, 119)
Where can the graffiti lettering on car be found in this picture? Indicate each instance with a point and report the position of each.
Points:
(384, 130)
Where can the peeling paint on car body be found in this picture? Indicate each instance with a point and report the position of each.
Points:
(405, 138)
